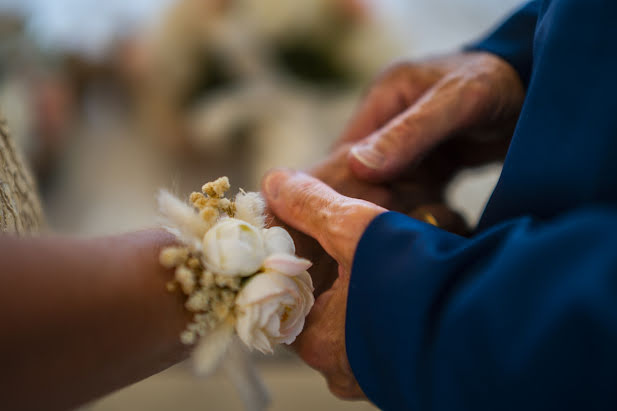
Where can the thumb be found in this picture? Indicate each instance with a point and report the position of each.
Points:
(305, 203)
(451, 105)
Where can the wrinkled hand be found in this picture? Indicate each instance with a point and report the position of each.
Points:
(337, 223)
(335, 172)
(412, 111)
(413, 107)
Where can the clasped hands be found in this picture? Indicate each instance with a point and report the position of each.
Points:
(417, 126)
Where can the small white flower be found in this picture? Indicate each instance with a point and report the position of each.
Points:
(233, 247)
(272, 306)
(278, 240)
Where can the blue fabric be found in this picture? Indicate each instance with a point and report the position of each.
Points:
(522, 315)
(513, 40)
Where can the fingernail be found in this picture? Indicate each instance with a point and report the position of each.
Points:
(272, 184)
(368, 155)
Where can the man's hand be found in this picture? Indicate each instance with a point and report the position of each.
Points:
(472, 86)
(337, 223)
(413, 107)
(334, 172)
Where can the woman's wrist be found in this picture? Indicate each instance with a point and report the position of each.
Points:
(163, 312)
(101, 308)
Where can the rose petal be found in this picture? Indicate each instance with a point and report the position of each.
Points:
(262, 343)
(261, 287)
(305, 279)
(286, 264)
(245, 324)
(290, 335)
(273, 326)
(268, 308)
(278, 241)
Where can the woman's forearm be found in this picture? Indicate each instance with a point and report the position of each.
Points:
(80, 318)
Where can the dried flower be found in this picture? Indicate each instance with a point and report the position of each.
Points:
(278, 240)
(286, 264)
(207, 279)
(236, 274)
(184, 276)
(217, 188)
(197, 302)
(209, 215)
(233, 247)
(250, 207)
(198, 200)
(271, 309)
(171, 257)
(182, 221)
(188, 337)
(193, 263)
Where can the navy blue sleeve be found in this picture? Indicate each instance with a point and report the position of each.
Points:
(520, 317)
(513, 40)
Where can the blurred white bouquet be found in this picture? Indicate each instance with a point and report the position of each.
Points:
(240, 278)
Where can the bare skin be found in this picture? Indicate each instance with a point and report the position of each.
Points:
(451, 112)
(81, 318)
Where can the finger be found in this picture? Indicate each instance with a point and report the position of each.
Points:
(335, 172)
(394, 91)
(302, 201)
(451, 105)
(379, 106)
(307, 204)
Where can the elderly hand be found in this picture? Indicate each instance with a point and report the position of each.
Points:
(337, 223)
(462, 94)
(335, 172)
(413, 107)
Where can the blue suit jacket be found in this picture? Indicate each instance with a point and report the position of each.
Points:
(523, 315)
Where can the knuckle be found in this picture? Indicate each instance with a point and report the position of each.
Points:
(305, 198)
(347, 223)
(398, 70)
(342, 215)
(478, 89)
(472, 88)
(394, 75)
(479, 76)
(400, 133)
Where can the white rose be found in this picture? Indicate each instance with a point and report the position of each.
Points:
(272, 306)
(233, 247)
(278, 240)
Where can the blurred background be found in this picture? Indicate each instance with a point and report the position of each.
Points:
(112, 100)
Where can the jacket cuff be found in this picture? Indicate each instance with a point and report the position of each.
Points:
(385, 315)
